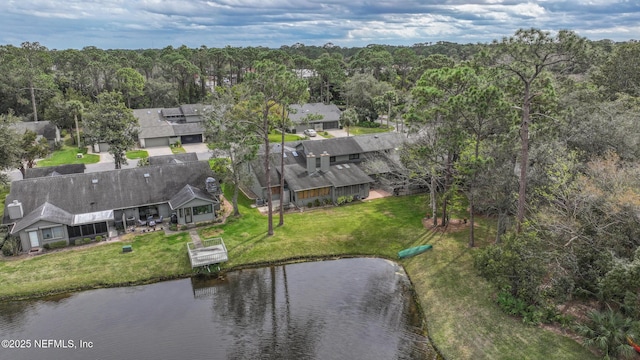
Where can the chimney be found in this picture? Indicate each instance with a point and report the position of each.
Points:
(311, 163)
(15, 210)
(324, 162)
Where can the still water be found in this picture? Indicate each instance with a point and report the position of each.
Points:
(340, 309)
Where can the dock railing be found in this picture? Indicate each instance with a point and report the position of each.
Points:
(213, 251)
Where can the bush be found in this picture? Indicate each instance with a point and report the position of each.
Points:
(369, 124)
(56, 245)
(98, 238)
(11, 246)
(184, 227)
(317, 202)
(173, 227)
(309, 204)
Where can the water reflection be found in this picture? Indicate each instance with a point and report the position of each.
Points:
(353, 308)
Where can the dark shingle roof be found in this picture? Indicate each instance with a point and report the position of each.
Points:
(54, 170)
(335, 146)
(42, 128)
(47, 212)
(329, 112)
(173, 159)
(187, 194)
(379, 142)
(108, 190)
(338, 175)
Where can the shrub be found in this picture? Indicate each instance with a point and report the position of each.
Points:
(173, 227)
(11, 246)
(98, 238)
(369, 124)
(607, 331)
(317, 202)
(309, 204)
(56, 244)
(184, 227)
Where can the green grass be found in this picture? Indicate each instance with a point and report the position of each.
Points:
(4, 191)
(178, 150)
(137, 154)
(277, 137)
(357, 130)
(68, 155)
(463, 319)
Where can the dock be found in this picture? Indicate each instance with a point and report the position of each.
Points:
(207, 252)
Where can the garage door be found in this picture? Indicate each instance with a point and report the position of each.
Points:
(191, 139)
(152, 142)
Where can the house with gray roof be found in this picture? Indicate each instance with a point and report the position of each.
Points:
(166, 126)
(325, 170)
(67, 207)
(54, 170)
(324, 117)
(43, 129)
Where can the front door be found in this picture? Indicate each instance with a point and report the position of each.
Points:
(187, 215)
(33, 239)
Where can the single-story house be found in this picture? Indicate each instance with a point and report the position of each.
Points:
(325, 117)
(166, 126)
(43, 129)
(68, 207)
(325, 170)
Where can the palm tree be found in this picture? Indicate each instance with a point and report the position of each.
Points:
(348, 118)
(76, 108)
(608, 330)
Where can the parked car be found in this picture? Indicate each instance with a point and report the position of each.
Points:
(310, 132)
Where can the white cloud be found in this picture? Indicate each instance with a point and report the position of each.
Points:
(136, 23)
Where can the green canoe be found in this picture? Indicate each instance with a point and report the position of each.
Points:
(413, 251)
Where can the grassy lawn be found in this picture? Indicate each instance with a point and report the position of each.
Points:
(68, 155)
(137, 154)
(463, 320)
(277, 137)
(357, 130)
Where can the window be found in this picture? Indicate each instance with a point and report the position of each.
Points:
(204, 209)
(332, 159)
(354, 156)
(53, 233)
(314, 193)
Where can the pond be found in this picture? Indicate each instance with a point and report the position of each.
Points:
(338, 309)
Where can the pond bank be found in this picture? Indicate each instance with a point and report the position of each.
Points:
(463, 320)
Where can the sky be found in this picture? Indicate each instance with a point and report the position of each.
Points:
(142, 24)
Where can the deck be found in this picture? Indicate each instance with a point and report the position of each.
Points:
(207, 252)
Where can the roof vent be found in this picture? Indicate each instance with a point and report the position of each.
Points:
(94, 181)
(339, 167)
(347, 166)
(146, 175)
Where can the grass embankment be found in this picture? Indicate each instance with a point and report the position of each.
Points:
(69, 155)
(463, 320)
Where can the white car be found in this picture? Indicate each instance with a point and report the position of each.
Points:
(310, 132)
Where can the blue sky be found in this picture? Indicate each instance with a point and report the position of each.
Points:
(135, 24)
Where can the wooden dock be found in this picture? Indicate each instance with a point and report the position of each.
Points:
(207, 252)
